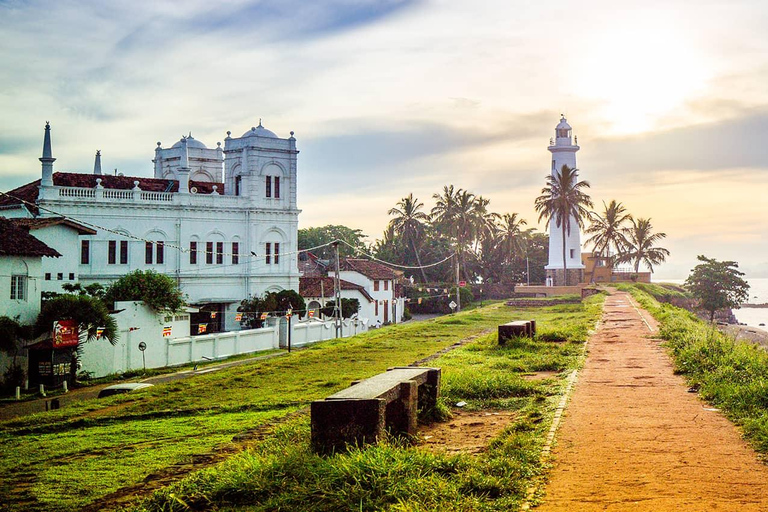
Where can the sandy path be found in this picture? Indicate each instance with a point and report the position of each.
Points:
(634, 439)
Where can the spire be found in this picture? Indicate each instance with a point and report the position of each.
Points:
(183, 172)
(97, 163)
(47, 158)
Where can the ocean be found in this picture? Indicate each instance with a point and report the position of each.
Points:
(758, 294)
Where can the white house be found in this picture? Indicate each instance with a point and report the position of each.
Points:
(222, 241)
(21, 271)
(381, 283)
(318, 291)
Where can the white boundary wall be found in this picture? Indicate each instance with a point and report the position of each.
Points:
(138, 323)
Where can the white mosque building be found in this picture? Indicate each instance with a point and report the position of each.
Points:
(223, 222)
(563, 151)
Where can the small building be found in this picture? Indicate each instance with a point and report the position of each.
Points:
(600, 269)
(318, 291)
(380, 281)
(21, 271)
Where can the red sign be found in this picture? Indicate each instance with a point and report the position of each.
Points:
(462, 284)
(65, 334)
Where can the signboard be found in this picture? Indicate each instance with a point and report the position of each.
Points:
(65, 334)
(142, 346)
(201, 328)
(452, 305)
(462, 284)
(167, 331)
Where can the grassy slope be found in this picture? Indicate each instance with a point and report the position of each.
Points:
(283, 473)
(731, 375)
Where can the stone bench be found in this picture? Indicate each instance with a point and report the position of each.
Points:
(520, 328)
(362, 413)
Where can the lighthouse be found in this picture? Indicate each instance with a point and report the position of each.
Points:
(563, 151)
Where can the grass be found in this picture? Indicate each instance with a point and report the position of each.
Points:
(732, 375)
(72, 457)
(284, 474)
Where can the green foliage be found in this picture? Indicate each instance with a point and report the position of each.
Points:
(349, 307)
(90, 314)
(158, 291)
(10, 334)
(271, 302)
(14, 377)
(93, 289)
(313, 237)
(717, 285)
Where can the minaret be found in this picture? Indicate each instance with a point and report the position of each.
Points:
(97, 163)
(47, 158)
(564, 153)
(183, 171)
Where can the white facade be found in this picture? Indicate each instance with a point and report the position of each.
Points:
(563, 153)
(386, 306)
(205, 164)
(20, 287)
(222, 243)
(66, 269)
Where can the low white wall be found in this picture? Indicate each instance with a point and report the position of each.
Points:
(219, 345)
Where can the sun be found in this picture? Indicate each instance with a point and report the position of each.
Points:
(640, 72)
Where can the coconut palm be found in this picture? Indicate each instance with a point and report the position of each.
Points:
(641, 240)
(409, 221)
(607, 230)
(564, 202)
(512, 239)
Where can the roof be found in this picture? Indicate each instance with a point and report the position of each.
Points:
(369, 268)
(15, 240)
(260, 131)
(310, 287)
(311, 266)
(191, 143)
(29, 191)
(44, 222)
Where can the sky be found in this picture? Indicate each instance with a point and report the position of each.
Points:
(386, 98)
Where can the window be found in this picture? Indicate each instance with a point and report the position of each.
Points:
(238, 179)
(193, 253)
(59, 276)
(85, 252)
(123, 252)
(209, 253)
(71, 276)
(268, 188)
(148, 253)
(235, 253)
(375, 286)
(47, 276)
(277, 253)
(376, 307)
(386, 285)
(160, 253)
(570, 252)
(268, 252)
(112, 255)
(277, 187)
(553, 165)
(219, 253)
(19, 287)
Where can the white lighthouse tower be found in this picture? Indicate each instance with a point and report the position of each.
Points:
(564, 153)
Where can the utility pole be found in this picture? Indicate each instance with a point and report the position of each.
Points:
(458, 295)
(337, 291)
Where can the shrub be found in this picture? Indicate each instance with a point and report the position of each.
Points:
(158, 291)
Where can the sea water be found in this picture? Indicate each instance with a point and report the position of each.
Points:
(758, 294)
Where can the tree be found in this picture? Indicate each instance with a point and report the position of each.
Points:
(272, 302)
(608, 230)
(717, 285)
(310, 238)
(564, 202)
(11, 333)
(349, 307)
(158, 291)
(409, 221)
(90, 313)
(640, 245)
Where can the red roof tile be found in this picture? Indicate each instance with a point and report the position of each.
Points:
(43, 222)
(310, 287)
(369, 268)
(15, 240)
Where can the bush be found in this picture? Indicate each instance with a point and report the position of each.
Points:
(13, 377)
(158, 291)
(90, 314)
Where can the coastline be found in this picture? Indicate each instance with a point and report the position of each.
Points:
(754, 335)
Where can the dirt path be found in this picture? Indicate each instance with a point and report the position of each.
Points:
(634, 439)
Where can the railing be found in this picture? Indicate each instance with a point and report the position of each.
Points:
(76, 192)
(156, 196)
(117, 194)
(135, 195)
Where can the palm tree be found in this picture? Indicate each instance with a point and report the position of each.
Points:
(564, 202)
(512, 236)
(641, 240)
(409, 221)
(607, 230)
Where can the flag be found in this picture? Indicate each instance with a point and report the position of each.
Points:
(238, 317)
(99, 332)
(445, 290)
(263, 316)
(213, 314)
(311, 313)
(167, 331)
(201, 328)
(419, 300)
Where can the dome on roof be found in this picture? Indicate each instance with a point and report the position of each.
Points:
(563, 124)
(260, 131)
(191, 143)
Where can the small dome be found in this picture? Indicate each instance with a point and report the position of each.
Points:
(563, 124)
(191, 143)
(260, 131)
